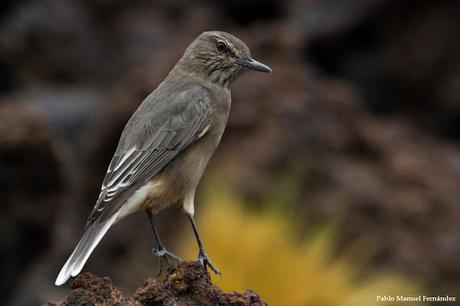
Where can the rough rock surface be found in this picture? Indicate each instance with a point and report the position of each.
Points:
(185, 284)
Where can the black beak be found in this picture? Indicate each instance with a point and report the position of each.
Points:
(254, 65)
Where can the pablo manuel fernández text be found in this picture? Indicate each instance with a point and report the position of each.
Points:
(416, 298)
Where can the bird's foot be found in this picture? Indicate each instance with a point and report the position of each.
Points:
(163, 253)
(163, 256)
(205, 262)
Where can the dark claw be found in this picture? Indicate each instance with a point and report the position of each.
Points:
(163, 257)
(162, 252)
(205, 262)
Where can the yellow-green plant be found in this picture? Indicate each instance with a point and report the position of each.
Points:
(262, 251)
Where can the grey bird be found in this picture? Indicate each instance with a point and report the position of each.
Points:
(166, 144)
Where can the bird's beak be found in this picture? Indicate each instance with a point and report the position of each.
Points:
(254, 65)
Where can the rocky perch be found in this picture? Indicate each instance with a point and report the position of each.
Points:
(185, 284)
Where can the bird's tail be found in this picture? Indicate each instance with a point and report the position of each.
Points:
(85, 247)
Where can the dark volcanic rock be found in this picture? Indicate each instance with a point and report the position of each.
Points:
(186, 284)
(89, 289)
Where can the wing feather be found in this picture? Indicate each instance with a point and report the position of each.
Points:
(143, 155)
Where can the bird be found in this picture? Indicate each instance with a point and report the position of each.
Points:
(166, 144)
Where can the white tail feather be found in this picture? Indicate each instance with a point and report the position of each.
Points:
(85, 247)
(94, 233)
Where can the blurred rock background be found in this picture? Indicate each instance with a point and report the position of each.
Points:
(359, 124)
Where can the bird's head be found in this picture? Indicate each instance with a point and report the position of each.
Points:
(219, 57)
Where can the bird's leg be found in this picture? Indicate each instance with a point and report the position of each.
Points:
(160, 251)
(202, 256)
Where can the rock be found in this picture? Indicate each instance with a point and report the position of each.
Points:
(185, 284)
(89, 289)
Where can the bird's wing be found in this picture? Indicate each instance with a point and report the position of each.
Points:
(147, 145)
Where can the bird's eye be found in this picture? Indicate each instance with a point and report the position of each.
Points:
(221, 47)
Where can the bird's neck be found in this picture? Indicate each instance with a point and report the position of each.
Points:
(204, 73)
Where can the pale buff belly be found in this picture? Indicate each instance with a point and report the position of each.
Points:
(175, 182)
